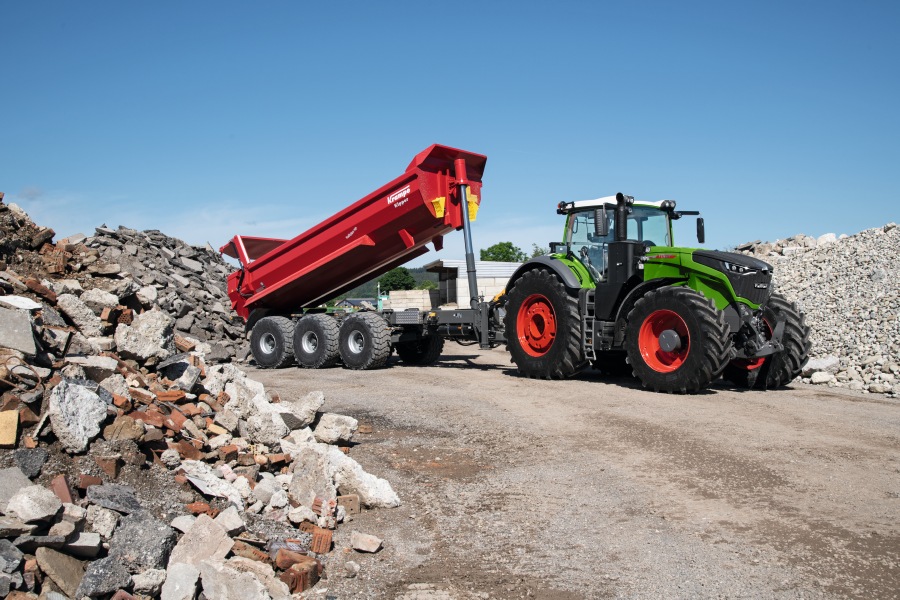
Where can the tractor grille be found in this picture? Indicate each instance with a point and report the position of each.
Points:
(745, 286)
(755, 284)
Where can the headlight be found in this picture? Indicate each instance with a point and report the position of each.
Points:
(666, 204)
(735, 268)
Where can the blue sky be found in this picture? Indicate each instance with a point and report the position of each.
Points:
(208, 119)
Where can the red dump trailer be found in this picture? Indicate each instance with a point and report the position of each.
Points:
(281, 282)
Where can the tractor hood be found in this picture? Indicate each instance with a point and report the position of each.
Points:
(751, 278)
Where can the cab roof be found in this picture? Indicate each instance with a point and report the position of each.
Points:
(611, 200)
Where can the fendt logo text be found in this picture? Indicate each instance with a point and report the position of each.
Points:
(402, 193)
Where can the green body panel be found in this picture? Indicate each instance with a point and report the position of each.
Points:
(709, 282)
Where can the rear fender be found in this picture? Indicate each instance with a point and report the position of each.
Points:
(554, 265)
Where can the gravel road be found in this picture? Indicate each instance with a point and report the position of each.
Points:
(594, 488)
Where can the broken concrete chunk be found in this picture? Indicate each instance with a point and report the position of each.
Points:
(200, 474)
(150, 582)
(97, 368)
(183, 523)
(267, 428)
(205, 540)
(142, 542)
(117, 384)
(227, 420)
(13, 527)
(230, 520)
(132, 344)
(115, 497)
(10, 557)
(311, 477)
(333, 428)
(83, 317)
(15, 331)
(180, 582)
(76, 414)
(34, 503)
(222, 582)
(101, 520)
(264, 573)
(156, 326)
(83, 545)
(31, 461)
(66, 572)
(350, 478)
(96, 300)
(102, 577)
(364, 543)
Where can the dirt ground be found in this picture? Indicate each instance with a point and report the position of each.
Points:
(594, 488)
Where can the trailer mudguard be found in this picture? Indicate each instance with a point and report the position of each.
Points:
(555, 265)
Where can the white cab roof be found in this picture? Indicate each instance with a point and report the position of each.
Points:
(611, 200)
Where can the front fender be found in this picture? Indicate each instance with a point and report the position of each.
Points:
(552, 263)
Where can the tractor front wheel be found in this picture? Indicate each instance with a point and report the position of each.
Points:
(779, 369)
(676, 340)
(543, 327)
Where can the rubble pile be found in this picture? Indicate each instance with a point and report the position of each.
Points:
(117, 274)
(104, 401)
(848, 286)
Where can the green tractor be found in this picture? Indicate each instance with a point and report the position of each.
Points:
(618, 294)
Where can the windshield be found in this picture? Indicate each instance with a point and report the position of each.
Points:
(645, 224)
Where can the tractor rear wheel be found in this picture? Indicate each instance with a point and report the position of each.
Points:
(365, 341)
(543, 327)
(779, 369)
(677, 341)
(316, 339)
(272, 342)
(421, 352)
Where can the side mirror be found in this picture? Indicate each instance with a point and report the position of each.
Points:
(601, 225)
(701, 232)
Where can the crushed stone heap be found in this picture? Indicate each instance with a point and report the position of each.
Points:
(849, 288)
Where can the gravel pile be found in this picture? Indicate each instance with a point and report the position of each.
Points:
(848, 286)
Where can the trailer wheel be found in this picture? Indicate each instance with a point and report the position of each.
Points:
(272, 342)
(365, 341)
(677, 341)
(316, 339)
(421, 352)
(543, 327)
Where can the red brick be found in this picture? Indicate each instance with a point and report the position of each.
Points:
(247, 551)
(177, 419)
(29, 442)
(60, 486)
(190, 409)
(27, 418)
(109, 464)
(197, 508)
(228, 453)
(150, 417)
(183, 345)
(285, 559)
(141, 396)
(188, 451)
(170, 396)
(86, 481)
(40, 290)
(122, 595)
(321, 541)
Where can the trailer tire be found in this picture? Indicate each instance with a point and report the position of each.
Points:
(316, 339)
(365, 341)
(421, 352)
(272, 342)
(702, 337)
(544, 327)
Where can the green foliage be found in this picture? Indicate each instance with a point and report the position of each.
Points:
(538, 251)
(397, 279)
(503, 252)
(427, 285)
(369, 288)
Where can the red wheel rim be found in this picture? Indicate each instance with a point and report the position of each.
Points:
(749, 364)
(536, 325)
(648, 340)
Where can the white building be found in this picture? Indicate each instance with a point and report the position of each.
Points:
(454, 282)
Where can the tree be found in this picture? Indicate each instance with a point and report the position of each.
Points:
(538, 251)
(397, 279)
(427, 285)
(503, 252)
